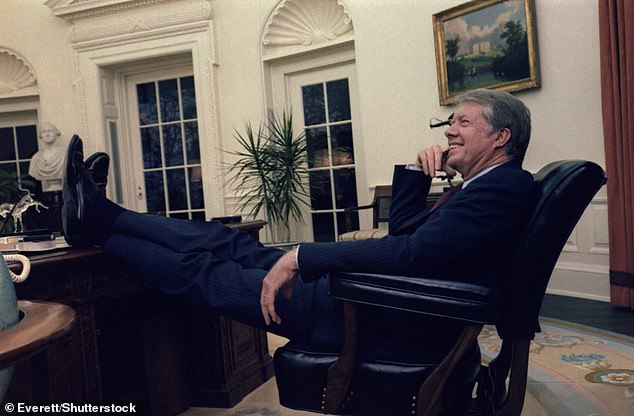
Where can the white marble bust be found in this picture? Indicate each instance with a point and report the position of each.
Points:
(47, 165)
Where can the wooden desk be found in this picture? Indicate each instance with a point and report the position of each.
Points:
(133, 343)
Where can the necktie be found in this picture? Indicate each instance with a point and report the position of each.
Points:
(445, 196)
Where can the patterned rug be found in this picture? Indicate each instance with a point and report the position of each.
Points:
(574, 370)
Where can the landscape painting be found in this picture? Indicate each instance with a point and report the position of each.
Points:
(486, 44)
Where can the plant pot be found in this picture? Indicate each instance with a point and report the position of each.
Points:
(280, 233)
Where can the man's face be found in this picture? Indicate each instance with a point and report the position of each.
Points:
(471, 148)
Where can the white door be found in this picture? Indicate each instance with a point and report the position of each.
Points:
(324, 106)
(163, 150)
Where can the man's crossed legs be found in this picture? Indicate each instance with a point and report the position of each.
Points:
(209, 263)
(202, 262)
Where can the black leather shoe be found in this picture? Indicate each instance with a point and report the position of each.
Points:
(80, 194)
(97, 168)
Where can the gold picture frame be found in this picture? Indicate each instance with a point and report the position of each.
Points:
(486, 44)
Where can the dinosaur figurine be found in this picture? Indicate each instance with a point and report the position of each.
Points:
(19, 208)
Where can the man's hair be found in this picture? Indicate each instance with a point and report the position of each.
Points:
(504, 111)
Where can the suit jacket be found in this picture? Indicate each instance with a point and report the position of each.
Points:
(469, 238)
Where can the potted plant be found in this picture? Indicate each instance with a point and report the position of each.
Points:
(270, 173)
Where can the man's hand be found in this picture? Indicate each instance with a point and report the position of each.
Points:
(282, 275)
(433, 159)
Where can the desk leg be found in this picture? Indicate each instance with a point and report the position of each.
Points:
(89, 351)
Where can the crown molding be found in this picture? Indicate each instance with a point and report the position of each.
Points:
(104, 19)
(79, 9)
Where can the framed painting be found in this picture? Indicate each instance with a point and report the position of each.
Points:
(486, 44)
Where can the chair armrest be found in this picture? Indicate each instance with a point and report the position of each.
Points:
(348, 214)
(445, 298)
(358, 208)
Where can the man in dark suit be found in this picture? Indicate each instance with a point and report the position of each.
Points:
(469, 237)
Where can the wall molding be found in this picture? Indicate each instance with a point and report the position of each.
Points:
(587, 281)
(583, 267)
(578, 295)
(104, 19)
(589, 235)
(109, 35)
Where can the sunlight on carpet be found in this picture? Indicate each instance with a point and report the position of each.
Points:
(574, 371)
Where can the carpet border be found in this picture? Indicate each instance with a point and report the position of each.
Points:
(590, 329)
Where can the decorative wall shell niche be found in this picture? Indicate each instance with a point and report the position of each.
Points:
(299, 25)
(17, 77)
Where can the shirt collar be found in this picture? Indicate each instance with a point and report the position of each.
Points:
(481, 173)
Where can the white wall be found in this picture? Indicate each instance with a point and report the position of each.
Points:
(239, 26)
(397, 85)
(398, 94)
(30, 29)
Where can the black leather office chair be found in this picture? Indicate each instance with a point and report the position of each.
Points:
(327, 382)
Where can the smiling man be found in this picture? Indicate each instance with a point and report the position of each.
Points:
(469, 237)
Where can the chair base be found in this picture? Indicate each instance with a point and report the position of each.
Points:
(377, 389)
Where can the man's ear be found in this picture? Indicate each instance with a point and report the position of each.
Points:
(503, 137)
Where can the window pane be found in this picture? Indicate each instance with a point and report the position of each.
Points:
(189, 97)
(9, 167)
(173, 145)
(176, 191)
(338, 100)
(341, 142)
(146, 95)
(151, 144)
(7, 150)
(314, 108)
(317, 144)
(24, 169)
(168, 93)
(323, 227)
(27, 141)
(328, 128)
(196, 187)
(198, 215)
(345, 188)
(180, 215)
(320, 190)
(192, 143)
(154, 192)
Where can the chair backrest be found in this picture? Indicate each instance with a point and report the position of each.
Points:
(382, 202)
(562, 192)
